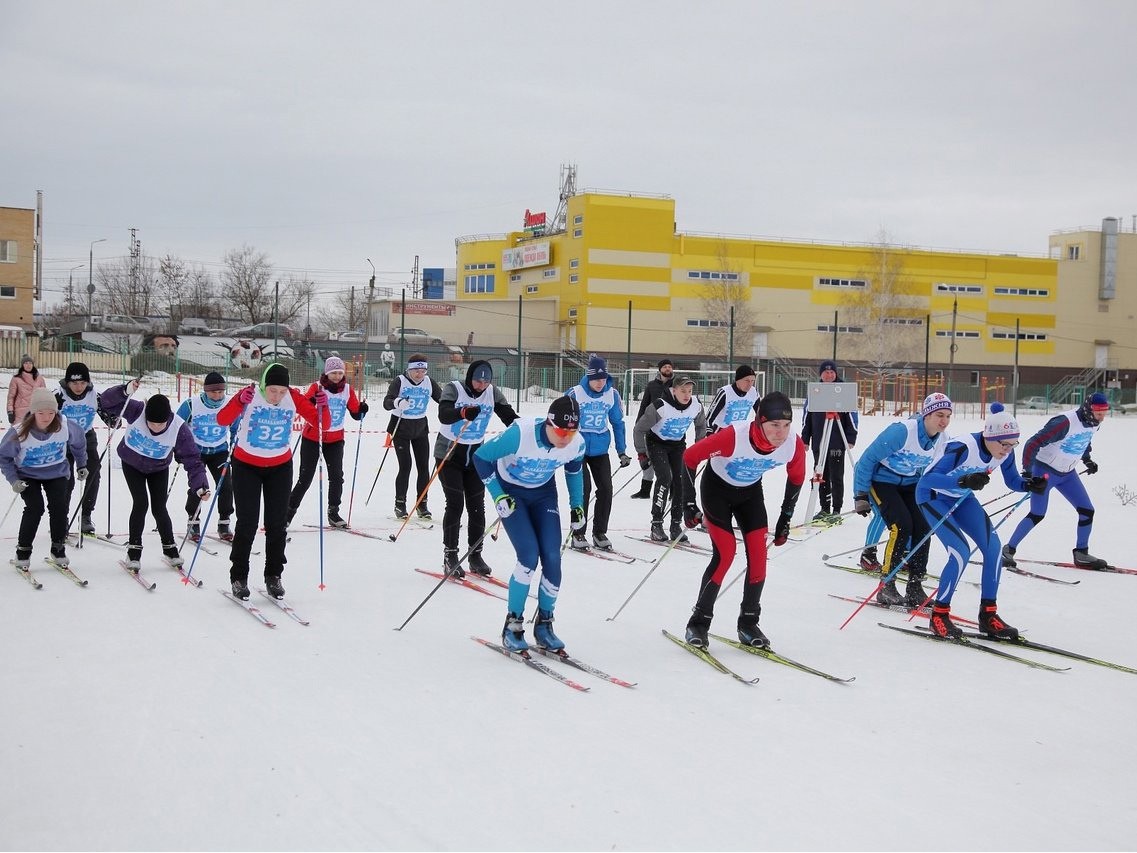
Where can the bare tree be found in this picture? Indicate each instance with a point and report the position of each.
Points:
(188, 291)
(344, 310)
(246, 281)
(121, 288)
(720, 291)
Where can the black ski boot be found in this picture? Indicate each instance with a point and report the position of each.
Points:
(424, 512)
(645, 490)
(274, 587)
(450, 564)
(697, 627)
(657, 534)
(241, 590)
(400, 509)
(941, 623)
(59, 554)
(193, 531)
(749, 634)
(224, 533)
(677, 534)
(869, 560)
(1083, 559)
(914, 594)
(334, 518)
(992, 625)
(85, 523)
(170, 552)
(889, 595)
(479, 566)
(1008, 555)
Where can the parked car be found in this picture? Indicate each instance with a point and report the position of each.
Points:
(122, 323)
(350, 336)
(193, 326)
(1033, 403)
(262, 331)
(413, 336)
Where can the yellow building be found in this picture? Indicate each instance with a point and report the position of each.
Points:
(17, 268)
(619, 267)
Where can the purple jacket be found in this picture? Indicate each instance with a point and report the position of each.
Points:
(10, 448)
(185, 448)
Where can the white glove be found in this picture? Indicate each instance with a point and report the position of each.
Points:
(505, 506)
(401, 403)
(81, 473)
(203, 494)
(19, 486)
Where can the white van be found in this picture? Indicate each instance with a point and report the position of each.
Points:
(193, 326)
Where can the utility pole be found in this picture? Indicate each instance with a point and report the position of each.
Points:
(90, 277)
(951, 350)
(415, 282)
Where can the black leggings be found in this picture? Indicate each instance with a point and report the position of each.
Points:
(601, 470)
(462, 487)
(906, 526)
(148, 492)
(56, 491)
(420, 447)
(250, 482)
(670, 484)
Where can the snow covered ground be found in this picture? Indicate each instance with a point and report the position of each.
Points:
(171, 719)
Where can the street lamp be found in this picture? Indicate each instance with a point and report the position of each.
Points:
(91, 276)
(70, 292)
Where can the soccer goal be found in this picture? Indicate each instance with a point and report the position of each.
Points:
(707, 383)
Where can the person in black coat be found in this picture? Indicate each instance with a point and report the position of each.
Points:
(832, 488)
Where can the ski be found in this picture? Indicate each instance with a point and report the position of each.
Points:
(283, 605)
(181, 570)
(490, 579)
(1016, 570)
(256, 614)
(565, 658)
(104, 538)
(1069, 565)
(523, 657)
(414, 521)
(351, 530)
(466, 582)
(703, 654)
(141, 581)
(679, 546)
(65, 571)
(966, 643)
(770, 654)
(902, 575)
(609, 556)
(900, 608)
(217, 538)
(26, 574)
(1023, 642)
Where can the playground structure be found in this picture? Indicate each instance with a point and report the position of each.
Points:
(902, 394)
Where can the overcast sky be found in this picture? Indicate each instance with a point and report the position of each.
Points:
(327, 133)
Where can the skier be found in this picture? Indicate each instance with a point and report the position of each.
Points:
(886, 476)
(33, 459)
(20, 388)
(1054, 451)
(964, 468)
(407, 399)
(79, 402)
(341, 401)
(831, 489)
(737, 457)
(733, 402)
(152, 437)
(660, 439)
(474, 401)
(212, 440)
(654, 390)
(601, 422)
(262, 464)
(517, 468)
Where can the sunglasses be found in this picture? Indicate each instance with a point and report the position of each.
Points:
(563, 432)
(1008, 444)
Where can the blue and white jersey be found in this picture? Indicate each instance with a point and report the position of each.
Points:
(745, 466)
(730, 407)
(969, 461)
(81, 411)
(209, 435)
(143, 442)
(673, 422)
(419, 397)
(532, 464)
(912, 459)
(1063, 455)
(337, 406)
(601, 417)
(476, 431)
(266, 429)
(43, 453)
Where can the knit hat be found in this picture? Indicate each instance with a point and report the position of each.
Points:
(214, 381)
(564, 413)
(1098, 402)
(43, 401)
(26, 359)
(77, 371)
(1000, 426)
(158, 409)
(775, 406)
(742, 371)
(662, 362)
(934, 402)
(597, 368)
(828, 364)
(275, 374)
(333, 363)
(481, 372)
(680, 381)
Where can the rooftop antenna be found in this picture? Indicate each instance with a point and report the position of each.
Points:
(568, 190)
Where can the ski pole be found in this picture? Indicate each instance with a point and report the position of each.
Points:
(394, 536)
(446, 575)
(173, 479)
(391, 438)
(355, 467)
(850, 551)
(320, 508)
(907, 556)
(650, 571)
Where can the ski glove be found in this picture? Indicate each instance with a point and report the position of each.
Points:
(320, 398)
(1034, 484)
(361, 412)
(19, 486)
(81, 473)
(782, 530)
(245, 395)
(625, 460)
(691, 515)
(975, 481)
(645, 463)
(471, 413)
(576, 518)
(861, 505)
(505, 505)
(11, 417)
(1091, 466)
(203, 494)
(402, 403)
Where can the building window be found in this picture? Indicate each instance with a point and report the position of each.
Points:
(574, 263)
(578, 219)
(1074, 252)
(707, 324)
(479, 284)
(1023, 336)
(902, 321)
(553, 273)
(578, 232)
(972, 289)
(489, 266)
(1020, 291)
(842, 282)
(946, 333)
(7, 291)
(974, 378)
(711, 275)
(852, 330)
(532, 288)
(515, 277)
(574, 278)
(7, 251)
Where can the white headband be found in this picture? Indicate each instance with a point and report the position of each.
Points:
(416, 365)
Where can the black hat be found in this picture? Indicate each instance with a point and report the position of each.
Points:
(481, 371)
(775, 406)
(828, 364)
(275, 374)
(564, 413)
(662, 362)
(77, 371)
(742, 371)
(214, 381)
(158, 409)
